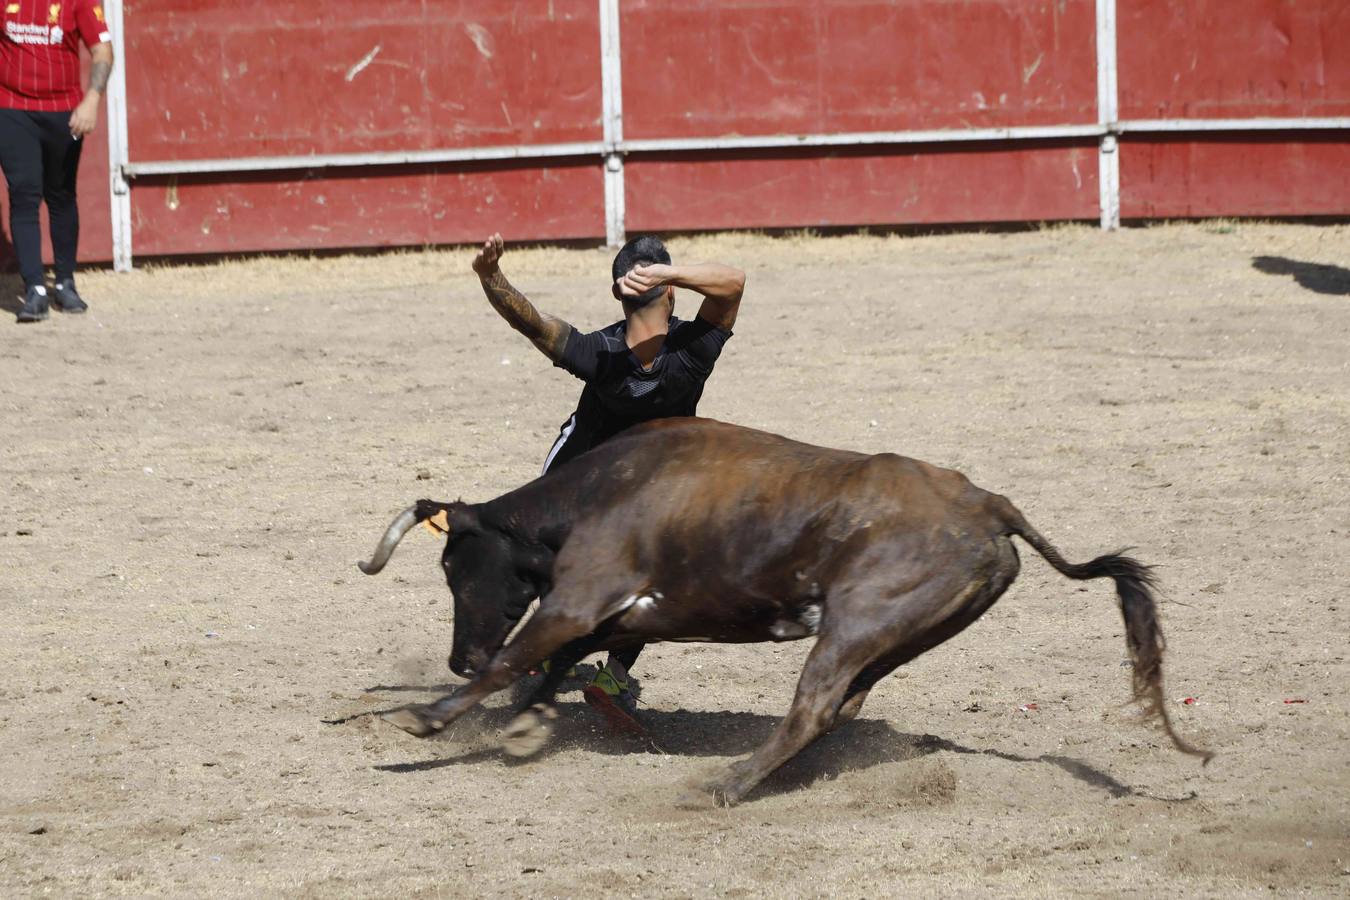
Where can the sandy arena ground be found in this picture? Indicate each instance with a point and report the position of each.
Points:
(189, 472)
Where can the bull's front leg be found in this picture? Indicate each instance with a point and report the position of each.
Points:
(544, 635)
(530, 730)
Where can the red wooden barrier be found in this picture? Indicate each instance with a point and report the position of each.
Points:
(210, 81)
(794, 67)
(1228, 59)
(348, 76)
(788, 66)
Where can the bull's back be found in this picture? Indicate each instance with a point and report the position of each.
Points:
(735, 507)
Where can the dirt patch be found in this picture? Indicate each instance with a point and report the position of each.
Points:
(191, 659)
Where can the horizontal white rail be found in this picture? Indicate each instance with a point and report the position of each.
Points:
(1143, 126)
(340, 160)
(860, 138)
(747, 142)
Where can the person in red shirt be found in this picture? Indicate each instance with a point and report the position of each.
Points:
(44, 114)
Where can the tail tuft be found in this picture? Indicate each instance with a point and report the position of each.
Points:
(1135, 583)
(1144, 638)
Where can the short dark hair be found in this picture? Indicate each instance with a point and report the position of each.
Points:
(644, 250)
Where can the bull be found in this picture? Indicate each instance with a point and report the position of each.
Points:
(697, 530)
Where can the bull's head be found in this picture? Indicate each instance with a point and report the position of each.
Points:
(492, 579)
(492, 582)
(491, 595)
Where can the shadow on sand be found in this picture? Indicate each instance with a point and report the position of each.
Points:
(1319, 277)
(858, 745)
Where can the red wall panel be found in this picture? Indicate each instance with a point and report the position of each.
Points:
(717, 67)
(1221, 59)
(209, 80)
(983, 183)
(1239, 175)
(347, 77)
(353, 208)
(95, 204)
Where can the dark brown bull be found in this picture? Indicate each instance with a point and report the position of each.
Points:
(695, 530)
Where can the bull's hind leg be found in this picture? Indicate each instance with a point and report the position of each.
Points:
(868, 633)
(830, 667)
(973, 600)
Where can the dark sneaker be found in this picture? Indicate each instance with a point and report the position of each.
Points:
(34, 307)
(67, 299)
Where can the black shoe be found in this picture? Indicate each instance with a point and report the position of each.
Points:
(67, 299)
(34, 305)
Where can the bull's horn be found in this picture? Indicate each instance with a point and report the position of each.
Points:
(397, 529)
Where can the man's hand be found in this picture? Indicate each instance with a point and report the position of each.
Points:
(485, 263)
(641, 279)
(548, 333)
(84, 117)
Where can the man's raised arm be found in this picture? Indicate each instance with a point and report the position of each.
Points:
(721, 287)
(546, 332)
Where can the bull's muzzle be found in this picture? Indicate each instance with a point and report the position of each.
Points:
(467, 665)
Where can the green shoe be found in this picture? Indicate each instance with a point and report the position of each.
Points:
(609, 681)
(608, 695)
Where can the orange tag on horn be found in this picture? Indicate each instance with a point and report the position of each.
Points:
(438, 524)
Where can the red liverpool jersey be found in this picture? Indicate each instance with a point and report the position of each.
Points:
(40, 52)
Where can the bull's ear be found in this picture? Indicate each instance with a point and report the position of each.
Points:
(462, 517)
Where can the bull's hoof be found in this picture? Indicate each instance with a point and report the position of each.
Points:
(725, 796)
(529, 732)
(413, 721)
(706, 797)
(722, 787)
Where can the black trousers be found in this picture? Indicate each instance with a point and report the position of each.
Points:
(40, 159)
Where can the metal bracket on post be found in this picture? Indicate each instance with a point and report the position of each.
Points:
(611, 66)
(1108, 113)
(119, 190)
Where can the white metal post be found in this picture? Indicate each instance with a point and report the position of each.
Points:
(1108, 114)
(1108, 177)
(611, 67)
(119, 195)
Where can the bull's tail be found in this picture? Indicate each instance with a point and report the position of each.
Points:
(1143, 636)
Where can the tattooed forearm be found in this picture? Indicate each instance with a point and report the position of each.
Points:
(98, 76)
(546, 332)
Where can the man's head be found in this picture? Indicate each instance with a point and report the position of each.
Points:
(640, 251)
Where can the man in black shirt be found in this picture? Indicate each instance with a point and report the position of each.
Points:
(650, 365)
